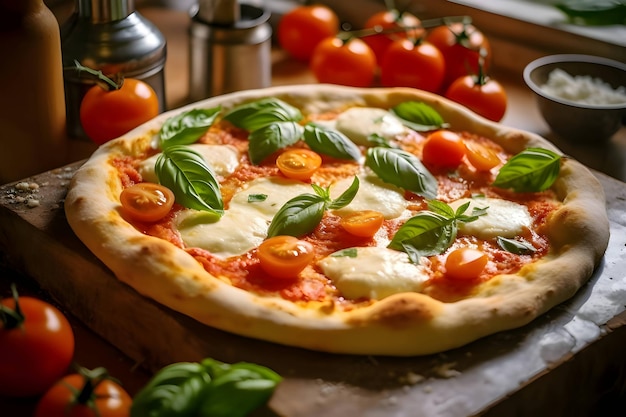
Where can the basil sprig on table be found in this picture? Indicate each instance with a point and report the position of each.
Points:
(532, 170)
(432, 231)
(403, 169)
(187, 127)
(303, 213)
(418, 116)
(210, 389)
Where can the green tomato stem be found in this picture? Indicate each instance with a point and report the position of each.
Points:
(99, 78)
(12, 318)
(425, 24)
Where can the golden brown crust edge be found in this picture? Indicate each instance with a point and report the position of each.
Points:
(415, 323)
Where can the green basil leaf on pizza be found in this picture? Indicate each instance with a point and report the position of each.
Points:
(258, 114)
(532, 170)
(185, 128)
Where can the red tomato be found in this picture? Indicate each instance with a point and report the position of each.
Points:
(350, 62)
(362, 223)
(36, 346)
(390, 20)
(106, 115)
(298, 164)
(301, 29)
(465, 263)
(443, 148)
(482, 95)
(285, 256)
(146, 201)
(79, 395)
(481, 157)
(461, 45)
(406, 64)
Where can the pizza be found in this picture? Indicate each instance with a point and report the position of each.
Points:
(345, 220)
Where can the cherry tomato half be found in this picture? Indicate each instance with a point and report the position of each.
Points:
(72, 397)
(443, 148)
(362, 223)
(481, 157)
(106, 115)
(349, 62)
(407, 64)
(146, 201)
(465, 263)
(302, 28)
(36, 346)
(390, 20)
(484, 96)
(285, 256)
(298, 164)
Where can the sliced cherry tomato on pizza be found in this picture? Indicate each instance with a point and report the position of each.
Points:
(483, 95)
(36, 345)
(302, 28)
(298, 164)
(89, 393)
(443, 148)
(481, 157)
(340, 61)
(465, 263)
(408, 26)
(146, 201)
(412, 64)
(363, 223)
(285, 256)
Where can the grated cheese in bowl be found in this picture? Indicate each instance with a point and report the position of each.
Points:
(582, 89)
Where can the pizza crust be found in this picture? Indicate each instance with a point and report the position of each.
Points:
(402, 324)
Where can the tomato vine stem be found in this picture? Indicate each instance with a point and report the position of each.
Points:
(107, 83)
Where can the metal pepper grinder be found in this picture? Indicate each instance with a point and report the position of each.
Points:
(110, 36)
(229, 48)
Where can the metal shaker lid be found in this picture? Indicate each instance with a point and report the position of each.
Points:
(219, 12)
(104, 11)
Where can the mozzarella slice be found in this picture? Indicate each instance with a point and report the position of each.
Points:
(504, 218)
(244, 225)
(358, 123)
(374, 272)
(223, 159)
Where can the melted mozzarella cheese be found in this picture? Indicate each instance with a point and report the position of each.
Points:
(244, 225)
(375, 272)
(504, 218)
(223, 159)
(358, 123)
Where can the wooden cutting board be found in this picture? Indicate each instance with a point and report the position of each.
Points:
(534, 370)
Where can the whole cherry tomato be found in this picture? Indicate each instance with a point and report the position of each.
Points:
(285, 256)
(36, 346)
(465, 263)
(298, 164)
(480, 94)
(146, 201)
(302, 28)
(106, 115)
(407, 25)
(409, 64)
(443, 148)
(88, 393)
(461, 45)
(346, 62)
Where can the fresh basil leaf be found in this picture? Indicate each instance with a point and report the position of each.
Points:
(187, 127)
(377, 140)
(515, 246)
(532, 170)
(424, 234)
(256, 198)
(402, 169)
(346, 197)
(270, 138)
(298, 216)
(445, 210)
(348, 253)
(184, 171)
(174, 391)
(258, 114)
(330, 142)
(418, 116)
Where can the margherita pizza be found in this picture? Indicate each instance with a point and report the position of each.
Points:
(361, 221)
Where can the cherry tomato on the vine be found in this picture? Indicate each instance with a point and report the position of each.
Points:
(443, 148)
(362, 223)
(461, 45)
(89, 393)
(345, 62)
(465, 263)
(285, 256)
(106, 115)
(298, 164)
(408, 64)
(484, 96)
(36, 346)
(302, 28)
(146, 201)
(407, 25)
